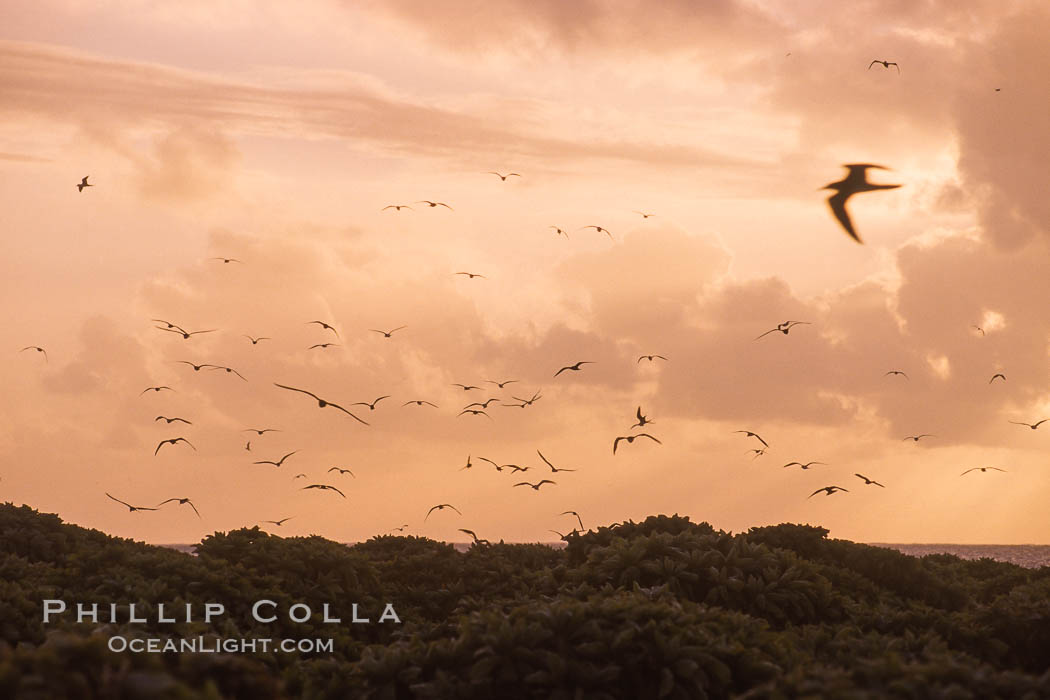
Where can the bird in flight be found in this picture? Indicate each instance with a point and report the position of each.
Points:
(227, 261)
(759, 451)
(474, 412)
(183, 332)
(981, 469)
(182, 502)
(896, 371)
(468, 465)
(754, 435)
(467, 387)
(644, 215)
(255, 341)
(483, 404)
(869, 482)
(196, 368)
(323, 487)
(502, 177)
(554, 469)
(433, 204)
(916, 438)
(599, 229)
(228, 370)
(172, 420)
(260, 431)
(855, 181)
(474, 536)
(559, 231)
(82, 184)
(321, 403)
(651, 358)
(131, 508)
(399, 529)
(397, 207)
(499, 467)
(419, 402)
(997, 375)
(441, 506)
(325, 326)
(37, 348)
(172, 441)
(472, 275)
(280, 522)
(785, 327)
(572, 512)
(386, 334)
(248, 446)
(501, 384)
(343, 471)
(885, 64)
(155, 388)
(323, 346)
(528, 402)
(642, 420)
(537, 485)
(278, 462)
(630, 439)
(575, 368)
(298, 476)
(978, 329)
(1033, 426)
(372, 405)
(807, 465)
(828, 490)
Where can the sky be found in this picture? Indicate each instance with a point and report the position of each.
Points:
(278, 133)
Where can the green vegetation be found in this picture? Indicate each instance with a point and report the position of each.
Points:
(665, 608)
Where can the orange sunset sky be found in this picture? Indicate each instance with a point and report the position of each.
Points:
(276, 132)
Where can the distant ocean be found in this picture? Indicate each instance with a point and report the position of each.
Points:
(1031, 556)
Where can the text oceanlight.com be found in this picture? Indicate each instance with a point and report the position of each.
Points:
(232, 645)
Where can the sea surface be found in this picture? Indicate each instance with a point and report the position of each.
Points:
(1031, 556)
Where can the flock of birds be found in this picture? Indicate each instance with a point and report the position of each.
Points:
(853, 183)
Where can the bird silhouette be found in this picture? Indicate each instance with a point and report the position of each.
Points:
(467, 387)
(472, 275)
(528, 402)
(784, 327)
(631, 438)
(172, 420)
(754, 435)
(183, 332)
(572, 512)
(398, 529)
(255, 341)
(441, 506)
(172, 441)
(325, 326)
(280, 522)
(759, 451)
(131, 508)
(885, 64)
(474, 537)
(574, 368)
(343, 471)
(278, 462)
(155, 388)
(474, 412)
(183, 502)
(397, 207)
(433, 204)
(37, 348)
(868, 482)
(981, 469)
(916, 438)
(896, 371)
(468, 465)
(323, 346)
(228, 370)
(807, 465)
(260, 431)
(502, 177)
(298, 476)
(554, 469)
(559, 231)
(1033, 426)
(642, 420)
(644, 215)
(323, 487)
(997, 375)
(227, 261)
(321, 403)
(483, 404)
(651, 358)
(372, 405)
(80, 188)
(419, 402)
(828, 490)
(599, 229)
(501, 384)
(855, 181)
(387, 334)
(248, 446)
(978, 329)
(537, 485)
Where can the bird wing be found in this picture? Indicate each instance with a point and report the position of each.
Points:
(871, 64)
(767, 333)
(190, 503)
(335, 405)
(561, 370)
(547, 461)
(301, 391)
(837, 202)
(119, 501)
